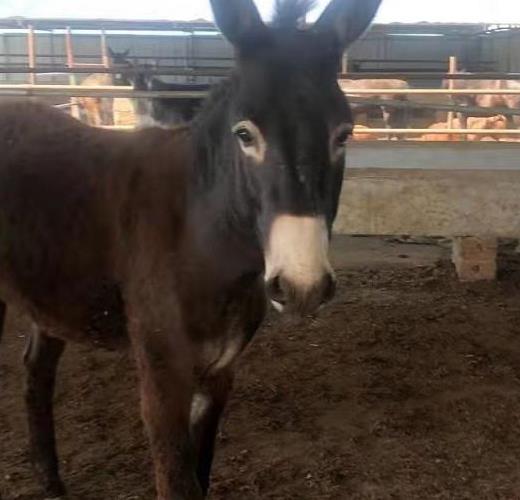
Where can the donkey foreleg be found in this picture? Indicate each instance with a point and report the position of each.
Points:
(3, 310)
(41, 358)
(163, 358)
(207, 406)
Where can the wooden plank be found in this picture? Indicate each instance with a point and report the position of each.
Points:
(451, 84)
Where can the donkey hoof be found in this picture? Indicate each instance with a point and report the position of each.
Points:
(55, 491)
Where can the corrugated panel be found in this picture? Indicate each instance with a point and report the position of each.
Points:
(379, 48)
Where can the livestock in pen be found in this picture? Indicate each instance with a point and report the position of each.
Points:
(171, 240)
(156, 111)
(486, 100)
(392, 117)
(97, 111)
(491, 123)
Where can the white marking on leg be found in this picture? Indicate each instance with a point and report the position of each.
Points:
(297, 249)
(199, 405)
(231, 351)
(279, 307)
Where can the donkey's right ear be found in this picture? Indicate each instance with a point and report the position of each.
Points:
(239, 21)
(347, 19)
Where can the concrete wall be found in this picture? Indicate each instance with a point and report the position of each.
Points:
(431, 189)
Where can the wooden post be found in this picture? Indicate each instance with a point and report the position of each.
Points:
(104, 50)
(31, 53)
(74, 110)
(451, 84)
(344, 63)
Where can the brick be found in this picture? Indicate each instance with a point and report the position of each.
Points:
(475, 258)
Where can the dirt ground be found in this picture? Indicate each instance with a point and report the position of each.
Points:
(406, 387)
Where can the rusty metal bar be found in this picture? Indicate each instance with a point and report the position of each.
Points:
(74, 109)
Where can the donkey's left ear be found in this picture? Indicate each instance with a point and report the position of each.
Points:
(239, 21)
(347, 19)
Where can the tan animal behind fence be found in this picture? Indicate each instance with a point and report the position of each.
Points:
(392, 117)
(491, 123)
(485, 100)
(96, 111)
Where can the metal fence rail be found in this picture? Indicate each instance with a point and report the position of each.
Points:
(127, 91)
(112, 91)
(207, 70)
(438, 131)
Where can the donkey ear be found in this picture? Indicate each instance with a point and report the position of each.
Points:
(111, 53)
(238, 20)
(347, 19)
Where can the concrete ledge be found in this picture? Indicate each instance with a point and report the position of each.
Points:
(419, 202)
(442, 156)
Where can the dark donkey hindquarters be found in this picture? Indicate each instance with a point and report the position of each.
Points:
(166, 237)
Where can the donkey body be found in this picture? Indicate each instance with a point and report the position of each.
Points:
(170, 240)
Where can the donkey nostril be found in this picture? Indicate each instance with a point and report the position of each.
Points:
(275, 291)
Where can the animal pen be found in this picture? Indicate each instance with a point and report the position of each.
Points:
(406, 385)
(467, 191)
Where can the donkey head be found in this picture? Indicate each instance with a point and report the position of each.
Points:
(290, 123)
(120, 61)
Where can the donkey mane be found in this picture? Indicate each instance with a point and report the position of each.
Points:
(208, 130)
(288, 14)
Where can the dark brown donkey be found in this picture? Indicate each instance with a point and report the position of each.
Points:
(173, 238)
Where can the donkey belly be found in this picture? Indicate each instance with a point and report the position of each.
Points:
(89, 311)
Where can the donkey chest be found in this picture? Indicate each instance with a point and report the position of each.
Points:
(219, 354)
(217, 343)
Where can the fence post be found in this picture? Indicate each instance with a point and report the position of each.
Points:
(31, 54)
(452, 69)
(74, 109)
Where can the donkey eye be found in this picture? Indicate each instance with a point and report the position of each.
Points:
(342, 136)
(245, 136)
(250, 140)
